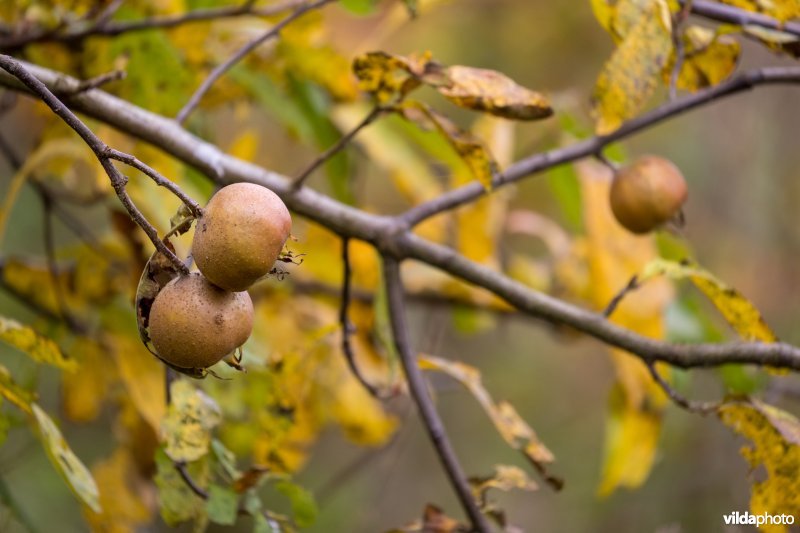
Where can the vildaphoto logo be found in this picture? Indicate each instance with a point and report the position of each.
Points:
(737, 518)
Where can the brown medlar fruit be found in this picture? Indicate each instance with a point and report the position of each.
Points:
(240, 235)
(194, 324)
(647, 193)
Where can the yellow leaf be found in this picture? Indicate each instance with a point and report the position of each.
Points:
(84, 392)
(492, 92)
(630, 77)
(39, 348)
(186, 430)
(122, 495)
(775, 437)
(245, 145)
(603, 12)
(630, 444)
(469, 148)
(514, 430)
(709, 58)
(614, 255)
(142, 375)
(71, 468)
(385, 76)
(505, 478)
(14, 393)
(738, 311)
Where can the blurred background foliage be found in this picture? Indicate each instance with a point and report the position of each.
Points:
(298, 410)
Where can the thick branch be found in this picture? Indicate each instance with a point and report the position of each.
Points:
(419, 391)
(723, 13)
(224, 67)
(391, 236)
(547, 160)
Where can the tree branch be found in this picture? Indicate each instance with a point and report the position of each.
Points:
(103, 27)
(391, 236)
(419, 392)
(336, 147)
(347, 326)
(733, 15)
(102, 151)
(559, 156)
(222, 68)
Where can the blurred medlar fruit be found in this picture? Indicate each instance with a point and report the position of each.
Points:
(194, 324)
(240, 235)
(647, 193)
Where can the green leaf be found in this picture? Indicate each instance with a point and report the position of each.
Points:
(71, 468)
(564, 185)
(222, 505)
(38, 348)
(177, 501)
(359, 7)
(412, 6)
(187, 427)
(304, 508)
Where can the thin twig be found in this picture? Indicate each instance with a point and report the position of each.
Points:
(100, 149)
(680, 52)
(679, 400)
(724, 13)
(110, 28)
(91, 83)
(419, 392)
(222, 68)
(347, 327)
(336, 147)
(559, 156)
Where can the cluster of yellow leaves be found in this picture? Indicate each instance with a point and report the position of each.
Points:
(645, 57)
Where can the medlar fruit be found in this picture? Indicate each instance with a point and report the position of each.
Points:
(194, 324)
(647, 193)
(240, 235)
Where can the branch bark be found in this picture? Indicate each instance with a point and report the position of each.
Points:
(732, 15)
(391, 235)
(419, 392)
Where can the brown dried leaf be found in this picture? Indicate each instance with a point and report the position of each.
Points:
(492, 92)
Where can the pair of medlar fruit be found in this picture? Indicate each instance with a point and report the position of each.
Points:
(647, 194)
(198, 319)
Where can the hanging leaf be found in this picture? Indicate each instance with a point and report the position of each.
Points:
(124, 508)
(387, 76)
(775, 438)
(505, 478)
(492, 92)
(737, 310)
(630, 77)
(186, 429)
(433, 521)
(35, 346)
(71, 468)
(471, 149)
(514, 430)
(709, 58)
(14, 393)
